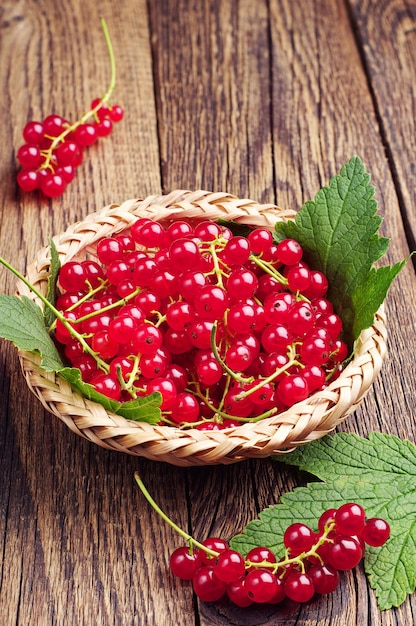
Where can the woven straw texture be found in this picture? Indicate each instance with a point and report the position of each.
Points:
(304, 422)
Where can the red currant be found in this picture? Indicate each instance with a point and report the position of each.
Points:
(170, 399)
(185, 408)
(147, 339)
(184, 254)
(261, 585)
(53, 125)
(345, 553)
(68, 153)
(325, 578)
(107, 385)
(184, 563)
(52, 185)
(28, 180)
(299, 587)
(260, 554)
(72, 276)
(326, 518)
(376, 532)
(289, 251)
(30, 156)
(298, 538)
(291, 389)
(216, 544)
(121, 328)
(85, 135)
(350, 519)
(33, 133)
(207, 586)
(260, 240)
(211, 303)
(116, 113)
(237, 251)
(298, 278)
(230, 566)
(103, 127)
(104, 345)
(237, 593)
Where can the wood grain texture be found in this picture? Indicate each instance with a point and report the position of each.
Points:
(263, 99)
(391, 25)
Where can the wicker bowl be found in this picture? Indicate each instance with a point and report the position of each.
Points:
(301, 423)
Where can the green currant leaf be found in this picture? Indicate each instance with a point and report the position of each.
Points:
(145, 409)
(380, 474)
(338, 231)
(372, 294)
(54, 268)
(22, 322)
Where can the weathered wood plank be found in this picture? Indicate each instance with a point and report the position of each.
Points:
(212, 73)
(78, 543)
(386, 34)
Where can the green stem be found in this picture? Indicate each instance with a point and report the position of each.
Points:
(282, 564)
(31, 287)
(237, 377)
(103, 285)
(296, 560)
(167, 519)
(110, 50)
(217, 269)
(292, 361)
(57, 140)
(160, 319)
(133, 374)
(268, 268)
(109, 307)
(226, 389)
(223, 415)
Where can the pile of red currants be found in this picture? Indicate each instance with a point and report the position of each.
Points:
(227, 328)
(311, 565)
(53, 148)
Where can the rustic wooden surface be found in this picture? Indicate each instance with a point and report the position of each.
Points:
(264, 99)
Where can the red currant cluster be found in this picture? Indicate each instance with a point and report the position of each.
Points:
(311, 564)
(54, 148)
(227, 328)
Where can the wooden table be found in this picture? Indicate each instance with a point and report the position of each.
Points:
(264, 99)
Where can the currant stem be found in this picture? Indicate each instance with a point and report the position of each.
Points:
(171, 523)
(268, 268)
(224, 415)
(110, 50)
(103, 285)
(133, 374)
(109, 307)
(274, 567)
(69, 129)
(217, 269)
(269, 379)
(297, 560)
(237, 377)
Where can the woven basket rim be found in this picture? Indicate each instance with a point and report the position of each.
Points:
(305, 421)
